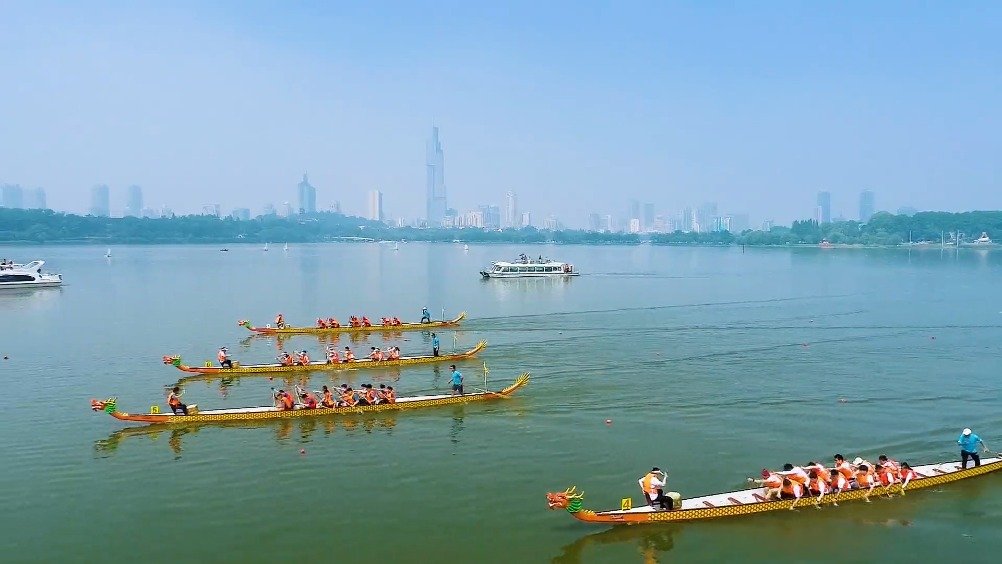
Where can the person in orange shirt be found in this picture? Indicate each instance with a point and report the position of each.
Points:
(845, 469)
(328, 400)
(321, 324)
(906, 476)
(390, 395)
(348, 355)
(332, 323)
(286, 359)
(771, 482)
(303, 359)
(332, 356)
(376, 354)
(280, 321)
(866, 479)
(284, 401)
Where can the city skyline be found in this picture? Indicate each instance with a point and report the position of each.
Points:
(531, 99)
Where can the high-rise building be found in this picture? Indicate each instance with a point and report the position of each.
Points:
(511, 217)
(594, 222)
(705, 217)
(435, 170)
(286, 209)
(526, 219)
(767, 225)
(240, 214)
(211, 209)
(648, 220)
(376, 205)
(552, 224)
(492, 216)
(12, 196)
(823, 213)
(34, 199)
(134, 201)
(866, 205)
(635, 226)
(100, 201)
(739, 223)
(634, 211)
(166, 212)
(688, 220)
(269, 209)
(474, 219)
(307, 196)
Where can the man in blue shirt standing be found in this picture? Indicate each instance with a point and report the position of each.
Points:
(969, 442)
(457, 381)
(434, 344)
(425, 316)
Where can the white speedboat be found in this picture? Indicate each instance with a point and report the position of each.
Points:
(984, 239)
(526, 267)
(27, 276)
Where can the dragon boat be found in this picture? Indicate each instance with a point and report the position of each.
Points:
(267, 412)
(359, 364)
(349, 329)
(748, 502)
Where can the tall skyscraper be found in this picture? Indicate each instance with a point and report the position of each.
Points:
(511, 217)
(648, 220)
(376, 205)
(435, 168)
(866, 205)
(634, 210)
(134, 201)
(100, 201)
(823, 212)
(526, 219)
(34, 199)
(594, 222)
(12, 196)
(492, 216)
(307, 197)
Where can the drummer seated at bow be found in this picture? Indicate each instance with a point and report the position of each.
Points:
(174, 402)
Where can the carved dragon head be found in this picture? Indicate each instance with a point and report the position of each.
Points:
(175, 360)
(569, 499)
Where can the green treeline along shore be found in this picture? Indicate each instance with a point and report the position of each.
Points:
(883, 229)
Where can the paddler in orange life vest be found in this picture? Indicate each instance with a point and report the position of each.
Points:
(653, 484)
(321, 324)
(771, 482)
(332, 356)
(348, 355)
(846, 470)
(284, 401)
(328, 400)
(797, 476)
(303, 359)
(332, 323)
(395, 321)
(280, 321)
(286, 359)
(366, 322)
(223, 357)
(308, 400)
(376, 354)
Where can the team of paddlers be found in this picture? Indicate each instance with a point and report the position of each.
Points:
(302, 358)
(343, 396)
(353, 321)
(814, 479)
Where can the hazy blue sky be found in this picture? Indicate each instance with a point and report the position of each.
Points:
(577, 106)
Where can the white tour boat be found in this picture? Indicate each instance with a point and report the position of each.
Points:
(27, 276)
(526, 267)
(984, 239)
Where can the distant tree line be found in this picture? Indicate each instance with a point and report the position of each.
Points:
(47, 226)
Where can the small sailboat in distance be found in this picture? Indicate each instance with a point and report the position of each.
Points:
(107, 254)
(265, 247)
(286, 247)
(396, 246)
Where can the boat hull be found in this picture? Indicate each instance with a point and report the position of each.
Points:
(266, 413)
(341, 330)
(702, 508)
(325, 367)
(487, 274)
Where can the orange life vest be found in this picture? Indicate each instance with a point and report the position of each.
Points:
(864, 479)
(394, 354)
(348, 398)
(370, 395)
(333, 357)
(287, 402)
(646, 484)
(310, 401)
(221, 356)
(173, 401)
(845, 469)
(773, 481)
(304, 359)
(391, 396)
(328, 399)
(287, 360)
(349, 356)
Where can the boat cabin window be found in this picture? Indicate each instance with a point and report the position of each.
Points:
(497, 269)
(16, 278)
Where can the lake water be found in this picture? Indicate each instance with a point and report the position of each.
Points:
(712, 362)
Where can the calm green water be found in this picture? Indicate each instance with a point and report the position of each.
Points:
(712, 362)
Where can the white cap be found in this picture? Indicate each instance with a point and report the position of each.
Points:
(858, 460)
(967, 431)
